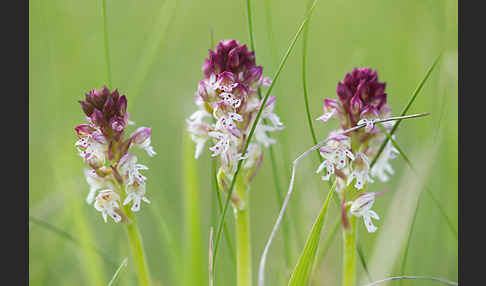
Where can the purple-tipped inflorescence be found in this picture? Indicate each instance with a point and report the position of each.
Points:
(102, 145)
(228, 103)
(361, 100)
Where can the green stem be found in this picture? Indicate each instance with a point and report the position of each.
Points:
(136, 245)
(243, 246)
(349, 255)
(137, 249)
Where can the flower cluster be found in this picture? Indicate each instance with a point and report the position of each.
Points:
(361, 100)
(228, 103)
(102, 146)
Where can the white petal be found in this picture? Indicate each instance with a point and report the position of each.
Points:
(369, 224)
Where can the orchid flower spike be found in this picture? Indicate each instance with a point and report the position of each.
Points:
(112, 167)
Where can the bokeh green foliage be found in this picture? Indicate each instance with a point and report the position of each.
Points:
(157, 49)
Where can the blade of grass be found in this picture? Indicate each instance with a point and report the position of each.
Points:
(274, 80)
(193, 258)
(282, 139)
(304, 86)
(363, 262)
(303, 269)
(69, 237)
(327, 242)
(428, 191)
(148, 57)
(285, 227)
(220, 205)
(115, 277)
(405, 109)
(107, 49)
(261, 272)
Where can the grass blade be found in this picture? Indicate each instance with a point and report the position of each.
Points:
(161, 27)
(274, 80)
(193, 257)
(220, 205)
(303, 269)
(428, 191)
(285, 227)
(304, 87)
(69, 237)
(107, 50)
(405, 109)
(115, 277)
(443, 281)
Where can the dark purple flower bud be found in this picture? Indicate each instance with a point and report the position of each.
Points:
(253, 74)
(109, 107)
(343, 92)
(229, 56)
(356, 104)
(87, 107)
(121, 105)
(98, 97)
(97, 118)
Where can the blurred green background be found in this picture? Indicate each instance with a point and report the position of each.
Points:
(157, 49)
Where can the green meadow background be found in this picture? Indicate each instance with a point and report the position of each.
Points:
(156, 50)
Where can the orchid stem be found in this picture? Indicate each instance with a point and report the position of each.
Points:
(136, 245)
(349, 254)
(243, 246)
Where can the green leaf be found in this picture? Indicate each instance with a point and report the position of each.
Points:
(115, 277)
(405, 109)
(303, 269)
(69, 237)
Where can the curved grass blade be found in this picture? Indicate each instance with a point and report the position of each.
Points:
(276, 179)
(303, 269)
(443, 281)
(428, 191)
(405, 109)
(304, 87)
(270, 88)
(115, 277)
(69, 237)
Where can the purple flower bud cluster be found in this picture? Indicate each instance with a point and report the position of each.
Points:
(228, 103)
(361, 99)
(102, 145)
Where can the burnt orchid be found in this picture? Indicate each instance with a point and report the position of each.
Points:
(361, 100)
(227, 103)
(113, 169)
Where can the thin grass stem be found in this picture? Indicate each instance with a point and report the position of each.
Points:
(107, 48)
(443, 281)
(69, 237)
(285, 227)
